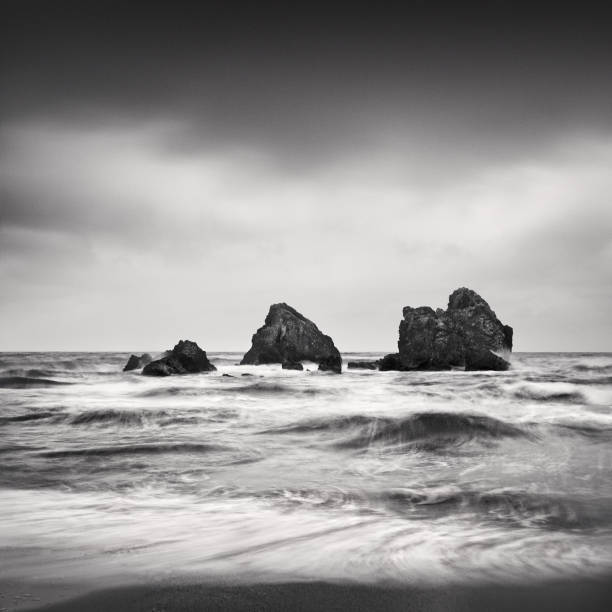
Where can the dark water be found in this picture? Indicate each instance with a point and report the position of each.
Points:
(447, 477)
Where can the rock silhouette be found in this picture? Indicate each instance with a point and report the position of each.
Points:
(288, 337)
(467, 334)
(185, 358)
(135, 362)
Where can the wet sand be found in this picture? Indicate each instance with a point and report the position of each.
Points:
(585, 596)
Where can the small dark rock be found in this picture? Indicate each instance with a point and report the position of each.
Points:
(331, 363)
(246, 374)
(185, 358)
(390, 363)
(229, 376)
(135, 362)
(292, 365)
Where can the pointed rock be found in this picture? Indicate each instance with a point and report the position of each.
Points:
(289, 337)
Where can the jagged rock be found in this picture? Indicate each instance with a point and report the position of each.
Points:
(288, 337)
(292, 365)
(363, 365)
(135, 362)
(390, 362)
(185, 358)
(462, 336)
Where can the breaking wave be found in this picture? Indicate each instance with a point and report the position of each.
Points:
(515, 506)
(549, 392)
(22, 418)
(512, 506)
(261, 388)
(593, 432)
(135, 449)
(108, 416)
(27, 382)
(427, 430)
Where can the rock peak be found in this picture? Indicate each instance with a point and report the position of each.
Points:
(465, 298)
(288, 337)
(277, 309)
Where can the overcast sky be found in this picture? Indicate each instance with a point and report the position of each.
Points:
(169, 173)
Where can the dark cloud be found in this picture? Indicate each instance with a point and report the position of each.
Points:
(350, 161)
(308, 82)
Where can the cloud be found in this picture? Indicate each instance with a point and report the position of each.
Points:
(110, 224)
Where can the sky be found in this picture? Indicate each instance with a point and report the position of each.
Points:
(170, 170)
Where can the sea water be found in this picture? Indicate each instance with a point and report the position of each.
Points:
(257, 472)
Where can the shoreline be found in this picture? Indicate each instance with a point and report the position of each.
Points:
(586, 595)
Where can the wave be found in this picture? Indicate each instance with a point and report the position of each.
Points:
(550, 511)
(21, 418)
(110, 415)
(26, 382)
(328, 423)
(605, 369)
(433, 431)
(136, 417)
(514, 506)
(255, 388)
(549, 392)
(273, 389)
(134, 449)
(602, 380)
(427, 430)
(32, 372)
(11, 448)
(595, 433)
(171, 391)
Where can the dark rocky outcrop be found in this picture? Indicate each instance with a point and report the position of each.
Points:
(467, 334)
(390, 362)
(185, 358)
(363, 365)
(289, 337)
(135, 362)
(331, 363)
(292, 365)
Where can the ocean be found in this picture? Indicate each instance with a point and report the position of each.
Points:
(257, 473)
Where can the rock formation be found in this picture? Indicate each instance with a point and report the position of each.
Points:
(185, 358)
(289, 337)
(465, 335)
(135, 362)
